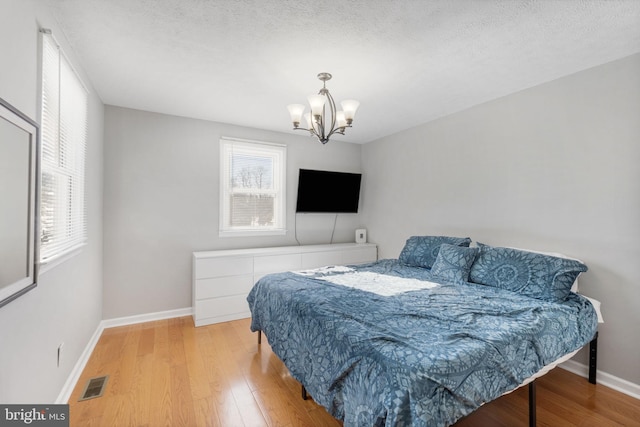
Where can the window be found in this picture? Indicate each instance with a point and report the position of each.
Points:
(63, 220)
(252, 188)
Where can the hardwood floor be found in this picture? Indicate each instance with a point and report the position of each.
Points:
(169, 373)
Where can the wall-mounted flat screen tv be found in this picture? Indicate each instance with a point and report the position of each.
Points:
(328, 192)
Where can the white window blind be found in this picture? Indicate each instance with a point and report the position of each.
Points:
(63, 223)
(252, 193)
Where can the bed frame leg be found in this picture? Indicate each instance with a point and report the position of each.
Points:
(593, 358)
(259, 337)
(532, 403)
(304, 393)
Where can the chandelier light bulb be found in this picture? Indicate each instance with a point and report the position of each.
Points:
(316, 102)
(296, 111)
(349, 106)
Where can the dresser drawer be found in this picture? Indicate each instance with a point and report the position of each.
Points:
(223, 286)
(223, 306)
(223, 266)
(276, 263)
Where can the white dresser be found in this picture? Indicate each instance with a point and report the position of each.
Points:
(222, 279)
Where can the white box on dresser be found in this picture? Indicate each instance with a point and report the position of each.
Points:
(222, 279)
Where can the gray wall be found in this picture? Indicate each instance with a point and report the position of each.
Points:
(550, 168)
(555, 167)
(161, 203)
(67, 304)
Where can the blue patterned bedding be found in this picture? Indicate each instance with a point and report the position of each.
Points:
(427, 356)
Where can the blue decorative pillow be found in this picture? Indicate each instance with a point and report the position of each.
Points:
(536, 275)
(453, 263)
(421, 251)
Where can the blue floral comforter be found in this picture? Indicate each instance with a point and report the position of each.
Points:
(424, 356)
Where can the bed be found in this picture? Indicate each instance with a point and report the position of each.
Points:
(420, 340)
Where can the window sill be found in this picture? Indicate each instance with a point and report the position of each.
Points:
(59, 259)
(251, 233)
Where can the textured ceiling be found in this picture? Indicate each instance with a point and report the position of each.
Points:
(406, 61)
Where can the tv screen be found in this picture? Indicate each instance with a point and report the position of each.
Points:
(328, 192)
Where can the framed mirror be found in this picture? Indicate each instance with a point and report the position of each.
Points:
(19, 153)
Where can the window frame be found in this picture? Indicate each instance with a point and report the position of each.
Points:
(64, 140)
(278, 154)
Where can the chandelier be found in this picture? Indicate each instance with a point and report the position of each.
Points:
(324, 120)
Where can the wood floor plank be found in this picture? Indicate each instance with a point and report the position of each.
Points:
(227, 350)
(118, 410)
(206, 414)
(227, 409)
(281, 408)
(161, 413)
(220, 372)
(176, 341)
(120, 382)
(147, 341)
(140, 391)
(196, 367)
(169, 373)
(182, 409)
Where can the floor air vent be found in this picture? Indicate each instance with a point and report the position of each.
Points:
(94, 388)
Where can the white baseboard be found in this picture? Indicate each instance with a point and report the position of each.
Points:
(74, 376)
(604, 378)
(148, 317)
(75, 373)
